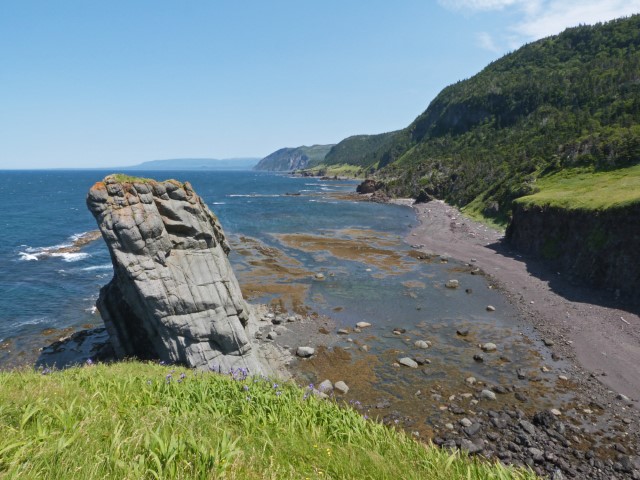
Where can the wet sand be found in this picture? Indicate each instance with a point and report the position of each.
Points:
(585, 325)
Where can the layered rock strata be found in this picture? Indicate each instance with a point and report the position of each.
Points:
(174, 295)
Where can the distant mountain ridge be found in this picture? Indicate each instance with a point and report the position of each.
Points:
(196, 164)
(289, 159)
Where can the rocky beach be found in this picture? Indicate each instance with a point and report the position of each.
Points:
(570, 413)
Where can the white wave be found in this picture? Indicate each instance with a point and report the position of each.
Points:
(91, 310)
(29, 257)
(106, 266)
(71, 257)
(218, 203)
(253, 195)
(77, 236)
(47, 250)
(32, 321)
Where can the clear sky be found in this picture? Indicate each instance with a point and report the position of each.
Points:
(105, 83)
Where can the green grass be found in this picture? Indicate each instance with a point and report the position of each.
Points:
(584, 190)
(121, 177)
(474, 210)
(341, 170)
(134, 420)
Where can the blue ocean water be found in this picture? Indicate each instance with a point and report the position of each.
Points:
(42, 212)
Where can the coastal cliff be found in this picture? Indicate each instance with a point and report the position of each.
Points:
(289, 159)
(596, 247)
(174, 295)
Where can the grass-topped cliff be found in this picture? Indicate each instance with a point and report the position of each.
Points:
(567, 103)
(134, 420)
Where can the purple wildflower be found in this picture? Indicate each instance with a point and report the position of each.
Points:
(89, 361)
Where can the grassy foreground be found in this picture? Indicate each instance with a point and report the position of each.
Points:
(135, 420)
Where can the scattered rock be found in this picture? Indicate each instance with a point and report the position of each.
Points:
(478, 357)
(487, 394)
(489, 347)
(421, 344)
(491, 308)
(521, 397)
(473, 429)
(527, 427)
(465, 422)
(470, 446)
(341, 387)
(470, 380)
(326, 387)
(452, 284)
(363, 324)
(272, 335)
(343, 331)
(305, 352)
(548, 342)
(408, 362)
(421, 360)
(623, 398)
(463, 332)
(319, 276)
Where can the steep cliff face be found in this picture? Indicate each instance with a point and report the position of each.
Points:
(173, 295)
(596, 247)
(289, 159)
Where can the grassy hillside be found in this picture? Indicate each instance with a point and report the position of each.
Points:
(579, 189)
(567, 102)
(288, 159)
(134, 420)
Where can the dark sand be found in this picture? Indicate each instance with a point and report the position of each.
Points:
(588, 326)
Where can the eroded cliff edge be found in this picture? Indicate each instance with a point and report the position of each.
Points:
(599, 248)
(173, 295)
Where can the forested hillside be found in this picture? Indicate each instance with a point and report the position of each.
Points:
(570, 101)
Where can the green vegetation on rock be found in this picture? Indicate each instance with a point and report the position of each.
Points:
(360, 150)
(123, 178)
(133, 420)
(577, 189)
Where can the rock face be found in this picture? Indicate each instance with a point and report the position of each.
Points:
(598, 248)
(173, 296)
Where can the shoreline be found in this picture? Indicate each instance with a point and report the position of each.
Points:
(602, 339)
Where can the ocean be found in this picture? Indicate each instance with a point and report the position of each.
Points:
(47, 289)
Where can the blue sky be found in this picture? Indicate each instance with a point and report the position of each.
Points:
(91, 84)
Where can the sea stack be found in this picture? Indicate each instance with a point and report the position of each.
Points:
(173, 296)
